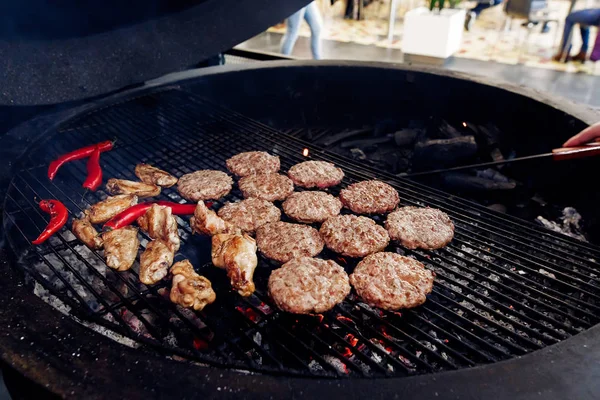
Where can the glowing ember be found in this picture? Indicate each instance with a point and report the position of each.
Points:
(265, 308)
(347, 352)
(248, 313)
(342, 260)
(446, 341)
(397, 313)
(305, 152)
(200, 344)
(350, 338)
(343, 319)
(320, 317)
(465, 124)
(384, 333)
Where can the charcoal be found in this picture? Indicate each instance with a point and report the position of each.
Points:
(498, 207)
(489, 135)
(333, 139)
(492, 174)
(358, 154)
(447, 131)
(366, 143)
(496, 154)
(466, 182)
(405, 137)
(439, 153)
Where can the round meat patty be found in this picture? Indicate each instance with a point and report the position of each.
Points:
(370, 197)
(204, 185)
(308, 285)
(311, 206)
(253, 162)
(420, 227)
(249, 214)
(310, 174)
(282, 241)
(353, 236)
(391, 281)
(268, 187)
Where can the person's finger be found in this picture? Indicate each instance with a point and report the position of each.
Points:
(587, 135)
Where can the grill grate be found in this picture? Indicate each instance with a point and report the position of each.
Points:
(504, 287)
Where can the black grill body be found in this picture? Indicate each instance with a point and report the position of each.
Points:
(490, 300)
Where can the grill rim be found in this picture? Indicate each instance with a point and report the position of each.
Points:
(530, 374)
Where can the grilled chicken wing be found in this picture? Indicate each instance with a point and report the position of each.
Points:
(140, 189)
(159, 223)
(111, 206)
(121, 247)
(236, 253)
(208, 222)
(154, 176)
(85, 231)
(155, 262)
(190, 289)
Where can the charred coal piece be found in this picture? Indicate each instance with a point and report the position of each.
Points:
(405, 137)
(333, 139)
(439, 153)
(447, 131)
(489, 135)
(465, 182)
(366, 143)
(492, 174)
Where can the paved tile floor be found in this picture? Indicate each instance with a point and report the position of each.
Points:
(581, 88)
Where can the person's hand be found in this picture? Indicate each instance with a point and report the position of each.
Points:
(589, 134)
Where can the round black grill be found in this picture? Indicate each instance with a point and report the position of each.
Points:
(503, 287)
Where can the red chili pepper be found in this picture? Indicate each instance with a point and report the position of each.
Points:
(76, 155)
(58, 218)
(134, 212)
(94, 176)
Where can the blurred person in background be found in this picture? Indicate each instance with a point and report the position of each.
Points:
(585, 19)
(474, 12)
(312, 16)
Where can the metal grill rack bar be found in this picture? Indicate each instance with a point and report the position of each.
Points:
(504, 287)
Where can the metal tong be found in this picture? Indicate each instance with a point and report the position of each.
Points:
(564, 153)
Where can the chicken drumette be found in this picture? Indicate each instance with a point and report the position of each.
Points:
(190, 289)
(85, 231)
(159, 223)
(155, 262)
(207, 221)
(154, 176)
(140, 189)
(236, 253)
(111, 206)
(121, 247)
